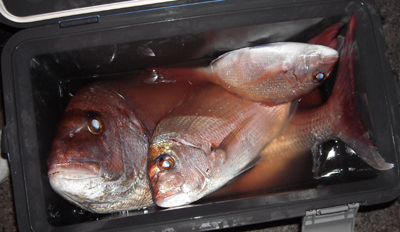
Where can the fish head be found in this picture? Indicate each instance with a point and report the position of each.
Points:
(313, 66)
(179, 173)
(99, 151)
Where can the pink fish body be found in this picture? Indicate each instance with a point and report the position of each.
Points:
(272, 73)
(99, 153)
(208, 140)
(337, 118)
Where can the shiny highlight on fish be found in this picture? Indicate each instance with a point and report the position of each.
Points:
(98, 156)
(208, 140)
(273, 73)
(336, 119)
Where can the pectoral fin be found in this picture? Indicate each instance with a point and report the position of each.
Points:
(245, 169)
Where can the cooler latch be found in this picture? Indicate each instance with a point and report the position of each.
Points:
(338, 218)
(78, 22)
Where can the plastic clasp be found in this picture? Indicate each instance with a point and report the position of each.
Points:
(79, 21)
(332, 219)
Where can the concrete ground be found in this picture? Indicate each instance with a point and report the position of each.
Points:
(384, 217)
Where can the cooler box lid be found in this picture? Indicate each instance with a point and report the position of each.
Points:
(30, 13)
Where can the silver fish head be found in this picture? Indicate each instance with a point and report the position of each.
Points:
(178, 173)
(98, 155)
(314, 65)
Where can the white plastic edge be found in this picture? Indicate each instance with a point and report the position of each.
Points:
(4, 171)
(78, 11)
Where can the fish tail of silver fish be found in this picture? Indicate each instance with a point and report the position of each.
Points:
(348, 126)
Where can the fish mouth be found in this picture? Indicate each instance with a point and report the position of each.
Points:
(84, 185)
(74, 171)
(172, 198)
(177, 196)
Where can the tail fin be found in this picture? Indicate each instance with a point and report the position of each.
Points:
(328, 37)
(348, 127)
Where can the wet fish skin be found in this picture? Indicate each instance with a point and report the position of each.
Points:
(336, 119)
(347, 125)
(329, 38)
(104, 171)
(208, 140)
(273, 73)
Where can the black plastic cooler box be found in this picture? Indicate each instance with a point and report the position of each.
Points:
(44, 65)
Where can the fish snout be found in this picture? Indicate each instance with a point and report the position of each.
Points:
(322, 57)
(173, 201)
(166, 193)
(77, 182)
(316, 66)
(166, 186)
(327, 53)
(172, 183)
(328, 59)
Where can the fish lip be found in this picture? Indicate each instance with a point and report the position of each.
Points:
(167, 198)
(74, 171)
(176, 196)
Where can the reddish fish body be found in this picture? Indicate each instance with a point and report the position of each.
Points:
(338, 118)
(205, 142)
(98, 156)
(272, 73)
(329, 38)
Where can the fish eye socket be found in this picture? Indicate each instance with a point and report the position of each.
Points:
(95, 125)
(165, 162)
(319, 76)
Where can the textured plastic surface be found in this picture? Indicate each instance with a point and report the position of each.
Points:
(339, 218)
(25, 13)
(43, 66)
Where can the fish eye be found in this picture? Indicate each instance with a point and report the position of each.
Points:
(95, 125)
(319, 76)
(165, 162)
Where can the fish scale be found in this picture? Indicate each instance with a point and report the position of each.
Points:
(149, 105)
(338, 118)
(219, 112)
(105, 171)
(210, 149)
(286, 70)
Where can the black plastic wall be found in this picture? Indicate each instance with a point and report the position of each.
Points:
(41, 66)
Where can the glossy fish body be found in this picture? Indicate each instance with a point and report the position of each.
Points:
(329, 38)
(336, 119)
(272, 73)
(99, 153)
(205, 142)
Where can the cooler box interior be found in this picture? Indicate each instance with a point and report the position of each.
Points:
(45, 65)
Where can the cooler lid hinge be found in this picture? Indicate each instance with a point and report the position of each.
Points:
(338, 218)
(79, 21)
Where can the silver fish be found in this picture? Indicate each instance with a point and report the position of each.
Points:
(273, 73)
(336, 119)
